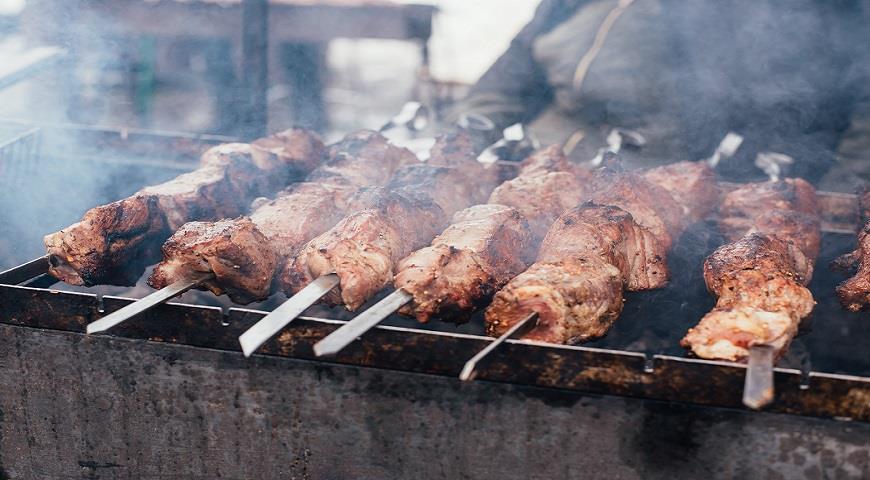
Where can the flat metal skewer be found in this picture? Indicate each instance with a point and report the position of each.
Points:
(279, 318)
(160, 296)
(758, 388)
(362, 323)
(520, 328)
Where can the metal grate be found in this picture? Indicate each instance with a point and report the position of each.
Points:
(19, 156)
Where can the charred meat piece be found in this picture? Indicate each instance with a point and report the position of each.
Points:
(760, 279)
(274, 231)
(364, 247)
(589, 255)
(612, 235)
(451, 188)
(547, 185)
(350, 162)
(740, 208)
(854, 293)
(692, 184)
(651, 206)
(98, 248)
(230, 249)
(484, 247)
(113, 243)
(576, 300)
(760, 284)
(295, 216)
(540, 198)
(551, 159)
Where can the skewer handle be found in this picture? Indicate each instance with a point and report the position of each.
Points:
(758, 389)
(362, 323)
(272, 323)
(520, 328)
(160, 296)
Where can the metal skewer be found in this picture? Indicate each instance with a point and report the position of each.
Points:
(365, 321)
(279, 318)
(147, 303)
(758, 388)
(520, 328)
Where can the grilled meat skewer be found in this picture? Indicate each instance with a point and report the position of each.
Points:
(364, 248)
(244, 253)
(760, 278)
(112, 243)
(854, 293)
(487, 245)
(617, 241)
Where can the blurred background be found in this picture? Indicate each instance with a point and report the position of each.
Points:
(115, 68)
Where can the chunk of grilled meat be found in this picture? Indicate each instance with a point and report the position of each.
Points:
(741, 207)
(540, 198)
(551, 159)
(294, 217)
(113, 243)
(350, 161)
(587, 257)
(650, 205)
(611, 234)
(275, 230)
(575, 299)
(547, 185)
(692, 185)
(760, 279)
(230, 249)
(760, 284)
(484, 247)
(363, 248)
(854, 293)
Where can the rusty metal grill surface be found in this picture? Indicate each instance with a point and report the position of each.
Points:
(826, 373)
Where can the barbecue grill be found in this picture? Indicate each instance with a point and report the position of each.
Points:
(173, 380)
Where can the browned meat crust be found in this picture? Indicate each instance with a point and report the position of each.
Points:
(114, 242)
(588, 256)
(575, 299)
(294, 217)
(740, 208)
(692, 184)
(484, 247)
(363, 248)
(230, 249)
(540, 198)
(854, 293)
(760, 279)
(650, 205)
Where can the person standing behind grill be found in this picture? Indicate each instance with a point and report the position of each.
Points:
(682, 74)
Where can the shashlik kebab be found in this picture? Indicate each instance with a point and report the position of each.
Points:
(854, 293)
(759, 278)
(618, 240)
(364, 247)
(355, 259)
(244, 253)
(487, 245)
(113, 243)
(484, 247)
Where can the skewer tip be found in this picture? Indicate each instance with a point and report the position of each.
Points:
(468, 373)
(758, 389)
